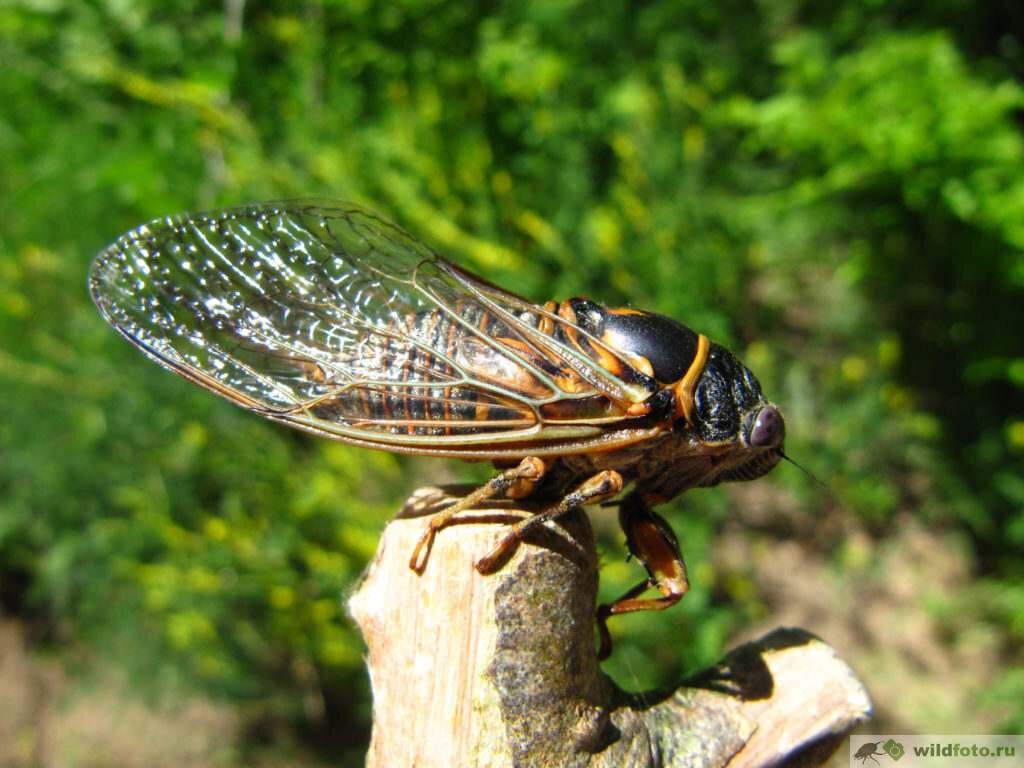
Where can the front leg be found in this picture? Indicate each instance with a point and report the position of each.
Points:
(651, 541)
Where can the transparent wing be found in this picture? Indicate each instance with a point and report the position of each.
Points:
(325, 316)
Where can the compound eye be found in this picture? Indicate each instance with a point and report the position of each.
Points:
(769, 428)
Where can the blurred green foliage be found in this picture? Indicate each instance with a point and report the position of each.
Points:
(837, 192)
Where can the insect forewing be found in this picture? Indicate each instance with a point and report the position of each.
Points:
(329, 318)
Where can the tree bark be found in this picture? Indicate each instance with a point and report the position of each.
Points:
(501, 670)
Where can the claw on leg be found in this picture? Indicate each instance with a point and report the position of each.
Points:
(519, 479)
(603, 485)
(652, 542)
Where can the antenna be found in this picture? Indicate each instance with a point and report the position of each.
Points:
(807, 472)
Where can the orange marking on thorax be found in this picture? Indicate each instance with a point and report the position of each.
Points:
(614, 364)
(683, 388)
(638, 409)
(545, 324)
(567, 313)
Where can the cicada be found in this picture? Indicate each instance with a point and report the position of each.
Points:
(326, 317)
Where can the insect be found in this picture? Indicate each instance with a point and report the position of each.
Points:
(326, 317)
(868, 750)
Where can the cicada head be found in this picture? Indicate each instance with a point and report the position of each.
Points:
(731, 412)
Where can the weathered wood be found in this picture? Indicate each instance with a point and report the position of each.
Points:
(501, 670)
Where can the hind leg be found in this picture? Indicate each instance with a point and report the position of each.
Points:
(516, 482)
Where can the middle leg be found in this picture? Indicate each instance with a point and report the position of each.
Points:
(603, 485)
(515, 482)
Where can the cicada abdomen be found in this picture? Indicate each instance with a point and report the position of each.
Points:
(411, 378)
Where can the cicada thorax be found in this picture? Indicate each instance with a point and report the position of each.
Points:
(704, 395)
(711, 390)
(658, 346)
(669, 355)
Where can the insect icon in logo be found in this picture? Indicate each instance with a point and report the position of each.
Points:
(868, 750)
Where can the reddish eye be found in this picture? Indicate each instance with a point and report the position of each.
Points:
(769, 428)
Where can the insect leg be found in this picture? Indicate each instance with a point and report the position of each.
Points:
(517, 480)
(601, 486)
(652, 542)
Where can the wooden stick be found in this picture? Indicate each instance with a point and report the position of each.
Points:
(501, 670)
